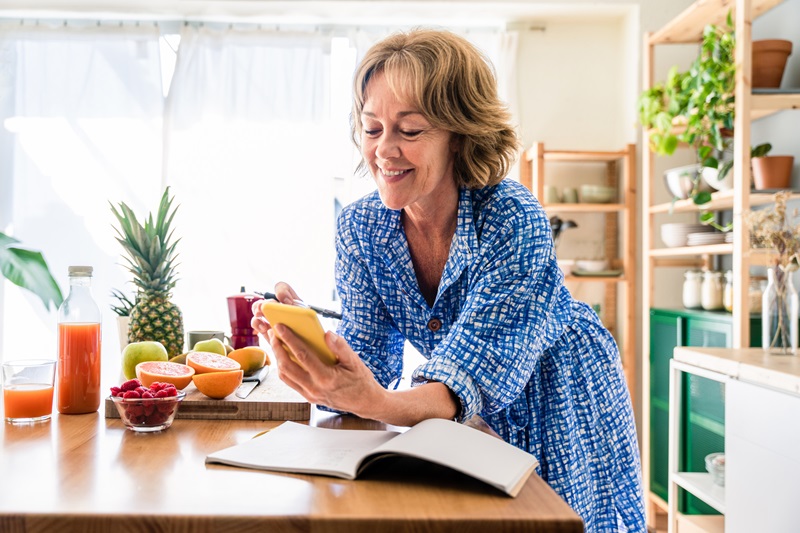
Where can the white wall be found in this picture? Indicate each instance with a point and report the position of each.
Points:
(579, 78)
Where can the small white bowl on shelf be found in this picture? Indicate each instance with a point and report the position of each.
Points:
(675, 235)
(597, 194)
(591, 265)
(566, 265)
(715, 464)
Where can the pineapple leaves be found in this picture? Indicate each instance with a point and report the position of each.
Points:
(149, 247)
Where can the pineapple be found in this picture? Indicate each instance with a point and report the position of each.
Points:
(150, 257)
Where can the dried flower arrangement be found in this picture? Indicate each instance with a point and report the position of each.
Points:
(773, 228)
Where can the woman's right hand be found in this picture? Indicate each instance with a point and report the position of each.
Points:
(285, 294)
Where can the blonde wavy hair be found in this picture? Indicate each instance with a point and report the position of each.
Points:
(454, 87)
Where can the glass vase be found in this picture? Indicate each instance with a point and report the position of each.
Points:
(779, 314)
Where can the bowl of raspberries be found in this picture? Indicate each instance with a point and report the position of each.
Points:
(146, 409)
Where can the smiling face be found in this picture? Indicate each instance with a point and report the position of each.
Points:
(410, 160)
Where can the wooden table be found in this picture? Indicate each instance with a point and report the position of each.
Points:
(88, 473)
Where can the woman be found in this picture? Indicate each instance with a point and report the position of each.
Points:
(451, 257)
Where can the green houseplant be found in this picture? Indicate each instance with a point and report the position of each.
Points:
(695, 107)
(28, 269)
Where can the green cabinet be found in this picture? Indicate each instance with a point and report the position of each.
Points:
(703, 418)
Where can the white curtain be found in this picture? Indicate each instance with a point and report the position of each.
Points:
(81, 111)
(253, 139)
(252, 159)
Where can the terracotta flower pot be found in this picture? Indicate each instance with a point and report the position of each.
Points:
(772, 171)
(769, 62)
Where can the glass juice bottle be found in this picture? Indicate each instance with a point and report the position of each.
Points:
(78, 386)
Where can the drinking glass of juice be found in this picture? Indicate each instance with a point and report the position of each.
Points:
(28, 390)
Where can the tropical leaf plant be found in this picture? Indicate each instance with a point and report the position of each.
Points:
(28, 269)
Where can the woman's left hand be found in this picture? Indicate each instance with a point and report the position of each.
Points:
(346, 386)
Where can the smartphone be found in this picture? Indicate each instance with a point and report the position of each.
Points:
(304, 323)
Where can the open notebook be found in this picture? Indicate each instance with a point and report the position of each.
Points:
(345, 453)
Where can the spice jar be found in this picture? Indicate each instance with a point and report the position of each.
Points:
(692, 289)
(755, 292)
(727, 296)
(711, 291)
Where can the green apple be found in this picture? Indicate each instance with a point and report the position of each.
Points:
(137, 352)
(210, 345)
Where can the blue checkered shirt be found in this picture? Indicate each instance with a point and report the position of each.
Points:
(513, 345)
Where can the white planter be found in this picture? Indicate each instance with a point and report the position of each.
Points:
(122, 331)
(710, 177)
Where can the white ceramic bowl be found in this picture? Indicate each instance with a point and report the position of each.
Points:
(680, 181)
(675, 235)
(715, 464)
(597, 194)
(566, 265)
(591, 265)
(710, 176)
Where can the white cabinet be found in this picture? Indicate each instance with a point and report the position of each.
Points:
(762, 442)
(762, 452)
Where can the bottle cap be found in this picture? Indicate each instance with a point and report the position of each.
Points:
(80, 271)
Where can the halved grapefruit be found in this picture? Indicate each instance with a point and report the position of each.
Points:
(203, 362)
(148, 372)
(252, 358)
(218, 385)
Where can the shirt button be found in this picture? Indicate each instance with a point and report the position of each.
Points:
(434, 324)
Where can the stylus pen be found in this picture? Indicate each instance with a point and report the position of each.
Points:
(327, 313)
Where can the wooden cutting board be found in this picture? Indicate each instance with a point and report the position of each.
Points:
(271, 400)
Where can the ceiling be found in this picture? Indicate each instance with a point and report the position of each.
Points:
(452, 13)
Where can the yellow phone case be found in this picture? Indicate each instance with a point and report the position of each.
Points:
(304, 323)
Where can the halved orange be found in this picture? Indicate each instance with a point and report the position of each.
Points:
(203, 362)
(218, 385)
(251, 358)
(148, 372)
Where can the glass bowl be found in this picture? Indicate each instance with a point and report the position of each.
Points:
(148, 414)
(715, 464)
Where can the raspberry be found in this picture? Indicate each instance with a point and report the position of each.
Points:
(162, 394)
(131, 394)
(166, 407)
(131, 384)
(115, 391)
(171, 390)
(147, 394)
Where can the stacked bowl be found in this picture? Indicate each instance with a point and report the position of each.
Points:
(676, 234)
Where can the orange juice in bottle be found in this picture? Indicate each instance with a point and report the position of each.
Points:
(78, 383)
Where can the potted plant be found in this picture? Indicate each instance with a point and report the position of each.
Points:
(122, 308)
(772, 171)
(28, 269)
(697, 106)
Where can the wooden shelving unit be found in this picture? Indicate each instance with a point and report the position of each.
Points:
(688, 27)
(619, 239)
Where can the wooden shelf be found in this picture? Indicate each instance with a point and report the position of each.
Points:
(750, 104)
(599, 279)
(619, 239)
(687, 28)
(697, 523)
(583, 208)
(710, 249)
(579, 156)
(764, 105)
(720, 201)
